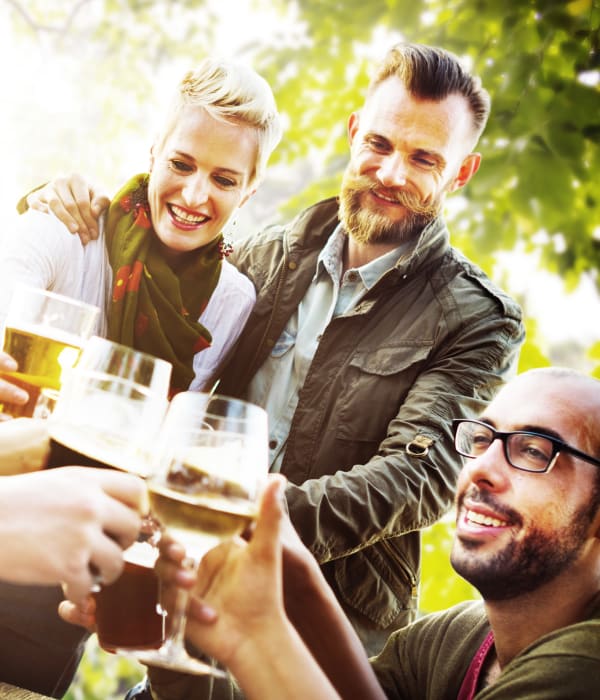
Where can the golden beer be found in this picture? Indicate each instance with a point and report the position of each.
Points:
(41, 358)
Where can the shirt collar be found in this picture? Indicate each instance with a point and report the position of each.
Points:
(330, 259)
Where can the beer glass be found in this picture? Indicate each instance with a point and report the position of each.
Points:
(43, 332)
(212, 464)
(108, 414)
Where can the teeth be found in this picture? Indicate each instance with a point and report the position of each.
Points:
(387, 199)
(187, 218)
(480, 519)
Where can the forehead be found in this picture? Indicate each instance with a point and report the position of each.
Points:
(390, 110)
(566, 405)
(221, 144)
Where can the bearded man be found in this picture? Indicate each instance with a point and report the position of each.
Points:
(369, 333)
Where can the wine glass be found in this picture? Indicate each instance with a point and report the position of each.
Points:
(211, 466)
(108, 414)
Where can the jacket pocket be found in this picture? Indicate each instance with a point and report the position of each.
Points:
(375, 385)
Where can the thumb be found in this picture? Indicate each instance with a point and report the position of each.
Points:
(265, 540)
(100, 202)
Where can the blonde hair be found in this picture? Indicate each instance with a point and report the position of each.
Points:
(232, 92)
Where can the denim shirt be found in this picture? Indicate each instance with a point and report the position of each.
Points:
(278, 381)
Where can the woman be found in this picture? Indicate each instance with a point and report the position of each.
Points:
(157, 269)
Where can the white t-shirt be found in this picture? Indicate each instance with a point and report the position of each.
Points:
(41, 252)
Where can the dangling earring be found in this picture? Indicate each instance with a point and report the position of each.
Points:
(225, 248)
(226, 244)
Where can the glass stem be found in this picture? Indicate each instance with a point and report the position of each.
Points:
(176, 640)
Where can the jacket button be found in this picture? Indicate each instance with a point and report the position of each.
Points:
(292, 265)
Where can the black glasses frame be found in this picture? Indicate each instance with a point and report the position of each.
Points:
(558, 446)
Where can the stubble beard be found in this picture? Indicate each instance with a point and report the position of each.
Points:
(368, 226)
(521, 567)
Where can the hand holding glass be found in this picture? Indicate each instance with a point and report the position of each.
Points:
(213, 461)
(44, 333)
(108, 414)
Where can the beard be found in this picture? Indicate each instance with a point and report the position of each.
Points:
(369, 226)
(521, 567)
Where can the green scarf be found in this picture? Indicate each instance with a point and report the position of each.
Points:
(154, 309)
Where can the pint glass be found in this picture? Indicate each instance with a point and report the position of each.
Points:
(44, 333)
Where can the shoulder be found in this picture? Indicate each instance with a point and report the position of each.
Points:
(471, 286)
(563, 665)
(235, 283)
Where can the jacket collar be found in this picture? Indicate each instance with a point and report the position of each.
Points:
(312, 227)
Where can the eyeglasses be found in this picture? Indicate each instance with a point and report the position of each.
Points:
(530, 452)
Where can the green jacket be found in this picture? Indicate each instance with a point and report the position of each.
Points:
(369, 455)
(428, 660)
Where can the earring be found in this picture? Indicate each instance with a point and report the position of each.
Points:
(225, 248)
(226, 243)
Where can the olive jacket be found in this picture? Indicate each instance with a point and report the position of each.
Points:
(370, 456)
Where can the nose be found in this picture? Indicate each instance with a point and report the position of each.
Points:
(196, 190)
(490, 468)
(392, 171)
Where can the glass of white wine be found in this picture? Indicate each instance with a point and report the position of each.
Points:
(213, 462)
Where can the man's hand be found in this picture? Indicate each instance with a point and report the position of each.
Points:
(68, 525)
(74, 201)
(10, 393)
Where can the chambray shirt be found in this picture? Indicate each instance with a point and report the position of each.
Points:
(278, 381)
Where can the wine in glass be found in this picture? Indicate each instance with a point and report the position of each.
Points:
(213, 461)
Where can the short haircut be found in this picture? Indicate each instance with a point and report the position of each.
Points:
(233, 92)
(431, 73)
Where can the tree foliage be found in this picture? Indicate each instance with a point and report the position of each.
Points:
(537, 188)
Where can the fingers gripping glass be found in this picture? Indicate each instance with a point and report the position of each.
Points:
(523, 449)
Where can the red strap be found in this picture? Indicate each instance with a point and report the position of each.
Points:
(469, 685)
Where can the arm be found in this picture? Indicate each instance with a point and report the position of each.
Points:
(59, 525)
(251, 634)
(394, 492)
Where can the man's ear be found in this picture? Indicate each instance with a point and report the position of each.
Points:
(468, 168)
(353, 122)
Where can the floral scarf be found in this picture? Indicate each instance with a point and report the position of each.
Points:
(154, 309)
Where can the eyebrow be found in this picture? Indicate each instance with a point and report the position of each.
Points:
(183, 154)
(528, 428)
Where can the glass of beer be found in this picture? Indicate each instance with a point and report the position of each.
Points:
(44, 333)
(108, 414)
(213, 461)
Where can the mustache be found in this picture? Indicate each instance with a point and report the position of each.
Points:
(485, 498)
(407, 199)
